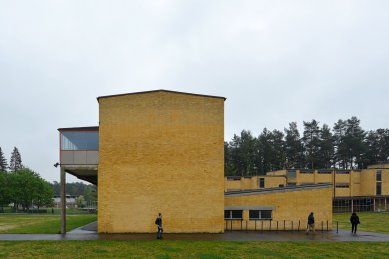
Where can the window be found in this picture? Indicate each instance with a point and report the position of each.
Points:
(261, 182)
(306, 171)
(233, 178)
(378, 188)
(260, 214)
(324, 171)
(233, 214)
(291, 174)
(342, 185)
(378, 176)
(80, 140)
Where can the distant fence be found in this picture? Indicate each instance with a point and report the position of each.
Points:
(273, 225)
(47, 210)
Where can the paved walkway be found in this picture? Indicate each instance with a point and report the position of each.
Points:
(88, 232)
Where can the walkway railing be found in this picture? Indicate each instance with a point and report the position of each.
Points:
(273, 225)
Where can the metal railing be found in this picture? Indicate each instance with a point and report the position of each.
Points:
(273, 225)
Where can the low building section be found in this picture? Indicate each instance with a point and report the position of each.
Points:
(359, 190)
(285, 208)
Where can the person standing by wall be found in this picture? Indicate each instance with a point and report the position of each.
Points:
(311, 223)
(354, 219)
(158, 222)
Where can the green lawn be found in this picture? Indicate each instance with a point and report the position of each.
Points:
(370, 221)
(41, 224)
(190, 249)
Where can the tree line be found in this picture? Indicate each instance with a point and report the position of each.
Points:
(345, 146)
(87, 191)
(22, 186)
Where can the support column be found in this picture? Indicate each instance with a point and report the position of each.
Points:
(63, 201)
(352, 205)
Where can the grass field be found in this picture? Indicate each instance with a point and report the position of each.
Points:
(370, 221)
(377, 222)
(190, 249)
(40, 224)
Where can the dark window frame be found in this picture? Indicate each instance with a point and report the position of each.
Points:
(261, 182)
(231, 216)
(261, 215)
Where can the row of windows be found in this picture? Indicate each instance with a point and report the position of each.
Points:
(342, 185)
(325, 172)
(80, 140)
(253, 214)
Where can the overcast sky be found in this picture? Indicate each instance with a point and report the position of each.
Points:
(275, 62)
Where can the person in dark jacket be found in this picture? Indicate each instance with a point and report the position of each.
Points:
(354, 219)
(311, 223)
(158, 222)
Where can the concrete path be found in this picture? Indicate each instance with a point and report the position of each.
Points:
(88, 232)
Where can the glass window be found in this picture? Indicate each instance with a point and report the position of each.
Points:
(342, 185)
(233, 214)
(260, 214)
(378, 188)
(261, 182)
(266, 214)
(254, 214)
(79, 140)
(291, 174)
(306, 171)
(379, 176)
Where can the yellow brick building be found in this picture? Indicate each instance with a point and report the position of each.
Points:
(283, 208)
(359, 190)
(163, 152)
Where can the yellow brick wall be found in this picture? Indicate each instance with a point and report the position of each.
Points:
(355, 183)
(368, 182)
(323, 178)
(291, 206)
(305, 178)
(385, 182)
(248, 183)
(232, 185)
(252, 183)
(161, 152)
(273, 181)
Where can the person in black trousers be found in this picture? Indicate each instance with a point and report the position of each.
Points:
(311, 223)
(158, 222)
(354, 219)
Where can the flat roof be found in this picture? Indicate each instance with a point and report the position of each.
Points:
(161, 90)
(91, 128)
(279, 189)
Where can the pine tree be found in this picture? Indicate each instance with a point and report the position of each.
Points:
(3, 162)
(294, 148)
(16, 161)
(311, 140)
(326, 154)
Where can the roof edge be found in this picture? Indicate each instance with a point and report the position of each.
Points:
(279, 189)
(89, 128)
(161, 90)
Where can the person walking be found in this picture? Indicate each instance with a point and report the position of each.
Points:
(311, 223)
(354, 219)
(158, 222)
